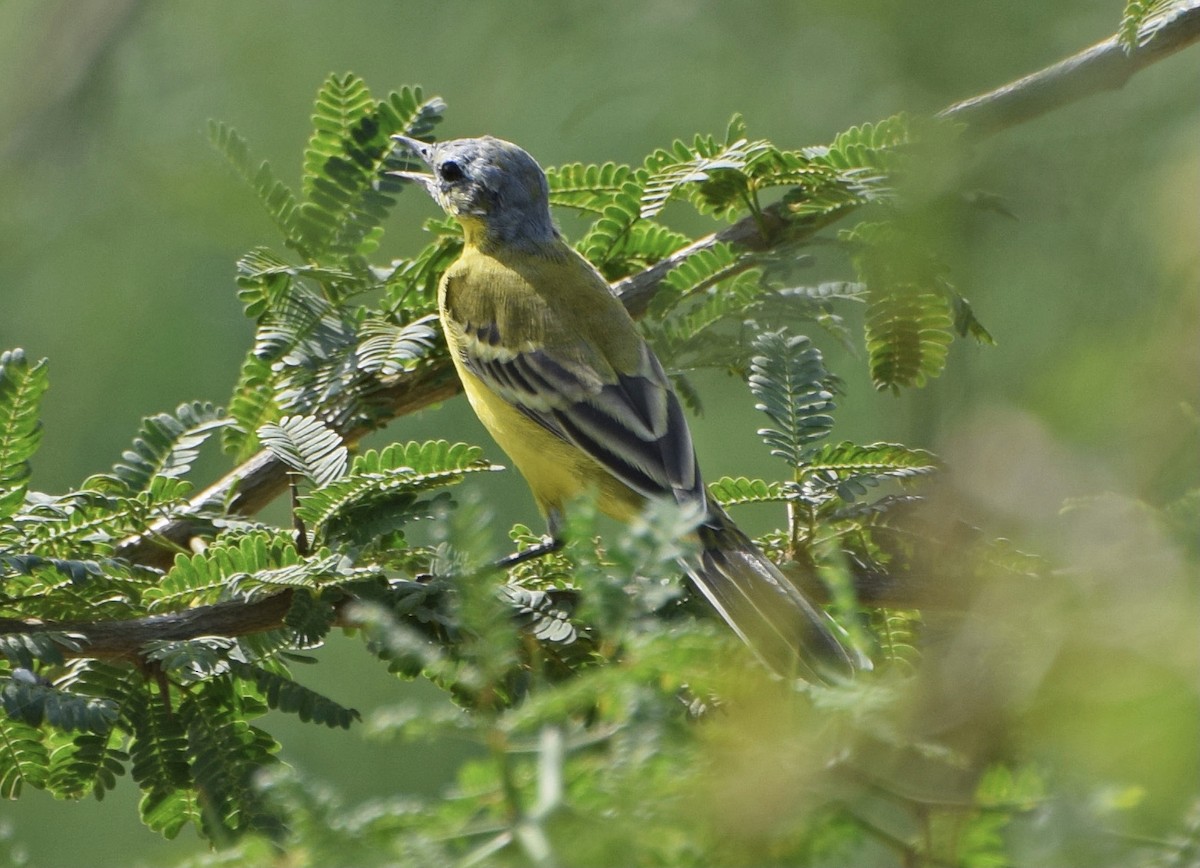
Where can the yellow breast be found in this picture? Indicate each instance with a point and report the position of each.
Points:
(555, 470)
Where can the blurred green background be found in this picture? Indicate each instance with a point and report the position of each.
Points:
(120, 227)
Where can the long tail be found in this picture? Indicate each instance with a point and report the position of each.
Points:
(766, 610)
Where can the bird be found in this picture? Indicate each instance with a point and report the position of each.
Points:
(556, 370)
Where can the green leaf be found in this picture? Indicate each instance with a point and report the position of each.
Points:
(21, 388)
(225, 754)
(309, 618)
(86, 762)
(603, 241)
(648, 242)
(207, 576)
(266, 281)
(301, 328)
(850, 468)
(26, 698)
(342, 102)
(77, 571)
(284, 694)
(46, 646)
(702, 269)
(545, 614)
(897, 633)
(306, 444)
(191, 660)
(160, 766)
(871, 146)
(412, 284)
(717, 171)
(321, 568)
(383, 480)
(1141, 20)
(23, 757)
(966, 323)
(388, 349)
(729, 491)
(167, 444)
(252, 406)
(908, 336)
(408, 111)
(908, 323)
(348, 189)
(276, 198)
(795, 390)
(587, 188)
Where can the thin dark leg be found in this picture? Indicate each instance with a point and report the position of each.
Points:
(550, 543)
(545, 547)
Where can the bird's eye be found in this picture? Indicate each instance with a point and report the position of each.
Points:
(450, 171)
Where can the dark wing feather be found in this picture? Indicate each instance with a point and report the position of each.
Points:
(630, 423)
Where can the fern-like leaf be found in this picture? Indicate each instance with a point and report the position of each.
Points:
(309, 619)
(159, 751)
(23, 757)
(897, 632)
(275, 196)
(265, 280)
(729, 491)
(286, 695)
(871, 146)
(603, 241)
(21, 389)
(225, 753)
(25, 649)
(717, 171)
(341, 103)
(377, 479)
(347, 190)
(702, 269)
(408, 111)
(908, 337)
(206, 577)
(589, 188)
(387, 349)
(544, 614)
(252, 406)
(851, 469)
(191, 660)
(85, 762)
(1141, 20)
(26, 698)
(308, 445)
(313, 572)
(789, 378)
(412, 284)
(167, 444)
(966, 323)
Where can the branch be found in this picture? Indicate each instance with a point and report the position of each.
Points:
(124, 639)
(1104, 66)
(1107, 65)
(263, 477)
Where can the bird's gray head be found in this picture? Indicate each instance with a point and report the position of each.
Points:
(492, 187)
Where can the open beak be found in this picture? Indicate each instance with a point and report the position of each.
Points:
(425, 153)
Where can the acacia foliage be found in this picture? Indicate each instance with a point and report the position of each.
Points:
(612, 712)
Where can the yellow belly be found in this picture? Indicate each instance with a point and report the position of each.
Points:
(556, 471)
